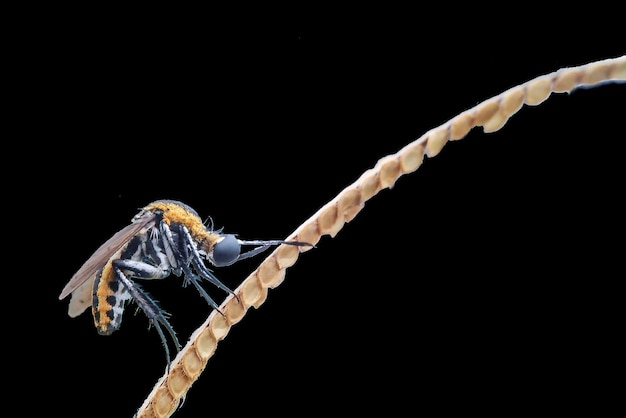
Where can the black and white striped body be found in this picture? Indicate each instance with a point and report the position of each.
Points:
(166, 237)
(154, 252)
(143, 257)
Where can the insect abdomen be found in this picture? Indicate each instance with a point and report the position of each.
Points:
(109, 298)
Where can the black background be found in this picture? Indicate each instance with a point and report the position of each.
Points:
(481, 282)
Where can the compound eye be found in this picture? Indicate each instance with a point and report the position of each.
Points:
(226, 252)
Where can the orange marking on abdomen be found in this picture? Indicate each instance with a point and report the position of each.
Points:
(103, 313)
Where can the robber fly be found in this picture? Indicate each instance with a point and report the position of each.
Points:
(166, 237)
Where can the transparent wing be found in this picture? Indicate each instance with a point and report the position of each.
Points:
(82, 297)
(104, 253)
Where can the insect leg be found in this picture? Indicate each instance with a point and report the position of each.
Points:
(141, 269)
(156, 316)
(180, 244)
(196, 261)
(167, 242)
(198, 265)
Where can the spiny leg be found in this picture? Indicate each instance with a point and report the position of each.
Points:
(181, 248)
(151, 310)
(198, 264)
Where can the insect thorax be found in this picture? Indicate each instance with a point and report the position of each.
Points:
(148, 255)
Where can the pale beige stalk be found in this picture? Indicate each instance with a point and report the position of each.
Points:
(491, 114)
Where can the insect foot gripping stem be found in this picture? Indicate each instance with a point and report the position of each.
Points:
(166, 237)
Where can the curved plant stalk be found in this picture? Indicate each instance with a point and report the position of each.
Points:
(491, 114)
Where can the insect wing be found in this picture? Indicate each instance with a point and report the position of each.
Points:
(82, 297)
(104, 253)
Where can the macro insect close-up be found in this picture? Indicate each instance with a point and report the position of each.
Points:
(165, 237)
(443, 274)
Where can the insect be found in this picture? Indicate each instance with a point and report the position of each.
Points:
(166, 237)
